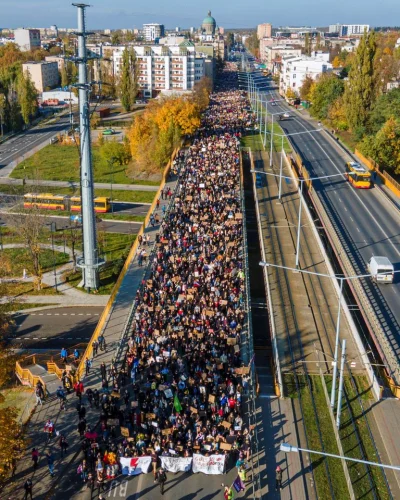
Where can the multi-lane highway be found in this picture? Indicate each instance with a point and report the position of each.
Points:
(367, 222)
(23, 143)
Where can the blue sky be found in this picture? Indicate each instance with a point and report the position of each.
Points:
(185, 13)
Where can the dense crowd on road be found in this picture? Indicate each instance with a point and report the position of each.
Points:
(183, 382)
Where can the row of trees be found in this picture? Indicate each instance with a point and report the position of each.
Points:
(358, 104)
(155, 133)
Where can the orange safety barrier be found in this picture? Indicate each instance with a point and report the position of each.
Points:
(386, 178)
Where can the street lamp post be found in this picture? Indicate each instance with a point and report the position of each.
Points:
(52, 230)
(288, 448)
(341, 279)
(341, 381)
(301, 181)
(111, 165)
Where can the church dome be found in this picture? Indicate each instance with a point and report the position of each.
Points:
(209, 20)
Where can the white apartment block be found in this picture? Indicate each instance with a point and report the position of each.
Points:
(296, 69)
(162, 68)
(27, 39)
(273, 55)
(349, 29)
(152, 31)
(43, 74)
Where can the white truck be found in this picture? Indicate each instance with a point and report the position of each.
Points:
(382, 269)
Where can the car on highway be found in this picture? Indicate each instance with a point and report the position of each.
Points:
(283, 116)
(109, 131)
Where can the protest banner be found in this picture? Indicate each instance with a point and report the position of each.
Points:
(176, 464)
(135, 466)
(213, 464)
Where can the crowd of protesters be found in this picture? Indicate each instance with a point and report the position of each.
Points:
(183, 383)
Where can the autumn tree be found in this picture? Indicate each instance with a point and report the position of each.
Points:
(385, 106)
(307, 44)
(384, 148)
(336, 63)
(129, 79)
(115, 153)
(337, 114)
(306, 87)
(201, 92)
(328, 88)
(290, 94)
(360, 90)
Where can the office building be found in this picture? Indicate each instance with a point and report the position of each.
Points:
(166, 69)
(264, 31)
(349, 29)
(43, 74)
(27, 39)
(153, 31)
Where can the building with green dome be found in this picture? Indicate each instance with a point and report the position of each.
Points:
(208, 25)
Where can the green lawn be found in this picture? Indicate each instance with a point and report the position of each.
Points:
(351, 434)
(115, 248)
(16, 397)
(58, 162)
(20, 259)
(26, 288)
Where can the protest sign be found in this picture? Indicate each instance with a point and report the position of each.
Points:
(135, 466)
(213, 464)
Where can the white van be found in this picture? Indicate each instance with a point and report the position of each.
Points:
(382, 269)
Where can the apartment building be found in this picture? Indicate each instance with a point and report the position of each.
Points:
(164, 68)
(273, 55)
(43, 74)
(295, 69)
(153, 31)
(349, 29)
(264, 31)
(59, 60)
(27, 39)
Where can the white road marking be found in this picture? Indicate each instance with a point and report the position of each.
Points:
(358, 230)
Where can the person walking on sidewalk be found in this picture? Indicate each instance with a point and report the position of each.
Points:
(63, 445)
(158, 203)
(88, 365)
(35, 458)
(278, 478)
(103, 371)
(161, 478)
(102, 342)
(61, 397)
(28, 485)
(50, 462)
(95, 346)
(38, 394)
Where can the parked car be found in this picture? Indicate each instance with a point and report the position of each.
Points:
(109, 131)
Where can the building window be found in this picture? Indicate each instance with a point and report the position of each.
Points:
(294, 84)
(294, 76)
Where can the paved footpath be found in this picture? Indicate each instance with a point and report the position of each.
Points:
(64, 484)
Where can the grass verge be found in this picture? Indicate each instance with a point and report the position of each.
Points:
(115, 247)
(30, 305)
(59, 162)
(16, 397)
(26, 288)
(20, 259)
(357, 442)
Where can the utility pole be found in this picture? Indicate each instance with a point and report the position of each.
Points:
(90, 262)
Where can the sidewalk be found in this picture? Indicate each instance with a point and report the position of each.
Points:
(66, 481)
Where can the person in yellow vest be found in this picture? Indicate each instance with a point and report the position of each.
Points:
(242, 473)
(228, 492)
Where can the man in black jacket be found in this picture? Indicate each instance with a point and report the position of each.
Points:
(161, 479)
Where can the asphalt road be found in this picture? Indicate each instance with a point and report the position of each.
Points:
(26, 141)
(366, 221)
(54, 328)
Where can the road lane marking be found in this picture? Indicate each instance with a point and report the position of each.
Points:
(358, 229)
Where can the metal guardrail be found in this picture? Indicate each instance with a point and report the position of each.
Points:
(247, 333)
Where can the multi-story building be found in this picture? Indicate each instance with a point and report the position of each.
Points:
(43, 74)
(273, 55)
(164, 68)
(59, 60)
(27, 39)
(349, 29)
(296, 68)
(264, 31)
(353, 29)
(153, 31)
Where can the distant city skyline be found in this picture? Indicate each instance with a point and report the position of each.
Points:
(229, 14)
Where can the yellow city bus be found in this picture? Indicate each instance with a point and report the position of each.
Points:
(358, 175)
(60, 202)
(45, 201)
